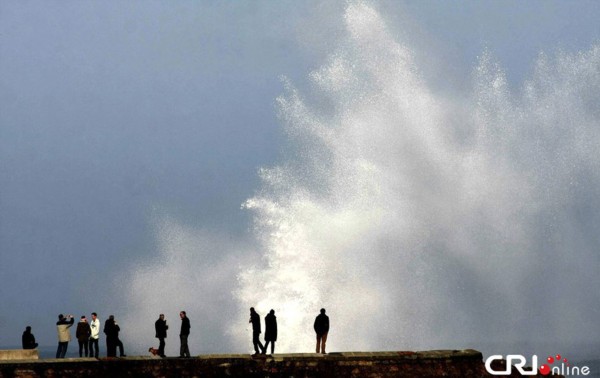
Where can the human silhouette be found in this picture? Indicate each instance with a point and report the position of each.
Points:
(82, 334)
(270, 331)
(255, 320)
(161, 327)
(64, 336)
(119, 343)
(184, 350)
(95, 335)
(111, 330)
(28, 340)
(321, 327)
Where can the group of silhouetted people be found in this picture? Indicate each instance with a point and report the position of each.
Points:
(161, 327)
(321, 327)
(88, 335)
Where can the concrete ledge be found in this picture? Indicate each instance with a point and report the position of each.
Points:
(441, 363)
(19, 354)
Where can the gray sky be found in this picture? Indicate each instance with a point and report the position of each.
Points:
(118, 119)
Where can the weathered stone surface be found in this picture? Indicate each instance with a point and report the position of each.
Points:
(445, 363)
(19, 354)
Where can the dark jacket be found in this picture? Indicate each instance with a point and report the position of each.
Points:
(83, 331)
(28, 340)
(321, 324)
(270, 327)
(111, 329)
(255, 319)
(185, 326)
(161, 328)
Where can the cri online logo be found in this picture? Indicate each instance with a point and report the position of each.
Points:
(519, 362)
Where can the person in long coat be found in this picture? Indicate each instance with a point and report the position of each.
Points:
(111, 330)
(270, 331)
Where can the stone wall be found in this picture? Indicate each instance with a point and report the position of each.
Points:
(465, 364)
(19, 354)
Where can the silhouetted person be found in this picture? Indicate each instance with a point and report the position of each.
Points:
(64, 336)
(28, 340)
(94, 336)
(270, 331)
(255, 320)
(161, 327)
(119, 343)
(111, 330)
(184, 350)
(82, 334)
(321, 327)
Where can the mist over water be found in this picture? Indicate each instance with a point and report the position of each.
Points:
(418, 220)
(421, 221)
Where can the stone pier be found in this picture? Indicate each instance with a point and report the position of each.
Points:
(437, 363)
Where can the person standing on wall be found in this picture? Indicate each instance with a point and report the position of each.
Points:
(64, 336)
(118, 342)
(270, 331)
(184, 350)
(161, 327)
(28, 340)
(94, 336)
(82, 334)
(111, 330)
(255, 320)
(321, 327)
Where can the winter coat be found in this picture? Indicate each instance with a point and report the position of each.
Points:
(83, 331)
(161, 328)
(270, 327)
(28, 340)
(111, 329)
(255, 319)
(185, 327)
(321, 325)
(62, 327)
